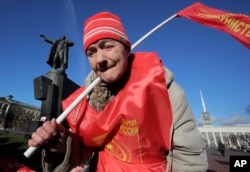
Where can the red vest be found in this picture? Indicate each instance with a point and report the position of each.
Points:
(134, 128)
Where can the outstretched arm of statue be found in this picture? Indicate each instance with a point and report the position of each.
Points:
(47, 39)
(43, 36)
(70, 43)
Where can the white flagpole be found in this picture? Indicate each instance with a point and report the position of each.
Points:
(65, 113)
(152, 31)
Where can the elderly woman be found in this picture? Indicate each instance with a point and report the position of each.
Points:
(136, 119)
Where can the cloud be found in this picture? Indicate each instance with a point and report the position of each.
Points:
(199, 123)
(69, 16)
(78, 63)
(234, 120)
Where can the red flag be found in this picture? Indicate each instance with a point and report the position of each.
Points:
(237, 25)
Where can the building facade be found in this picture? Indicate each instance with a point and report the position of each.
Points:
(15, 115)
(233, 137)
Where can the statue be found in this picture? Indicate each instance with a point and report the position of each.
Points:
(58, 57)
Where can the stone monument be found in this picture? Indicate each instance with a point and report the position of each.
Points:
(52, 88)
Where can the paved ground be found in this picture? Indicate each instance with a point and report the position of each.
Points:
(218, 163)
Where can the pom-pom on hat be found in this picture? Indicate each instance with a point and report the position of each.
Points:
(104, 25)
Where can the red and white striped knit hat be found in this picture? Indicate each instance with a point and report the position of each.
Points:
(104, 25)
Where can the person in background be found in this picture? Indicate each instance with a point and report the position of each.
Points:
(136, 119)
(221, 148)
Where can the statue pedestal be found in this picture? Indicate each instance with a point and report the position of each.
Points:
(51, 90)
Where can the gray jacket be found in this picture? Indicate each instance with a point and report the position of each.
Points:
(188, 152)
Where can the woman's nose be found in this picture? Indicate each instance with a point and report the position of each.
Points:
(100, 56)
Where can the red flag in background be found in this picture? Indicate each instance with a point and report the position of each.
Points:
(237, 25)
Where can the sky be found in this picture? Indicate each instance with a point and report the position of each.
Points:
(201, 58)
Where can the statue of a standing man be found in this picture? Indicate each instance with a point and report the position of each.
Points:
(58, 57)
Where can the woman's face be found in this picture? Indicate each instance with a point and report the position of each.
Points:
(108, 59)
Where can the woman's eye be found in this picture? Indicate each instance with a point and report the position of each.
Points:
(89, 54)
(108, 46)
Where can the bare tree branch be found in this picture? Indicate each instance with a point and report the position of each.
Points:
(247, 109)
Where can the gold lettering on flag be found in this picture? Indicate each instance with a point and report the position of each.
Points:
(129, 128)
(100, 139)
(237, 25)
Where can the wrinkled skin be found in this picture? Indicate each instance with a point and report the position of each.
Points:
(51, 135)
(108, 59)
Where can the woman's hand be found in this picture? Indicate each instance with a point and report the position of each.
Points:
(51, 135)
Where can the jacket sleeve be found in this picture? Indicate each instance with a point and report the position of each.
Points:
(188, 152)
